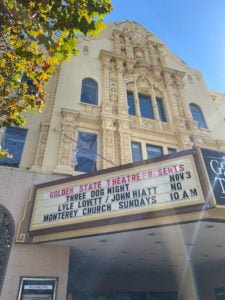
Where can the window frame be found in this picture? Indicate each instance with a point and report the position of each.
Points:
(82, 100)
(198, 111)
(132, 108)
(76, 149)
(154, 146)
(160, 103)
(9, 162)
(141, 152)
(142, 112)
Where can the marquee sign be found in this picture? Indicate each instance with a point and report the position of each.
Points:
(132, 190)
(215, 166)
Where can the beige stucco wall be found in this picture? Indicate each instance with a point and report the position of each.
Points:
(29, 260)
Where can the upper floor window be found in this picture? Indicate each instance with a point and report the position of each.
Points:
(161, 109)
(131, 105)
(172, 150)
(197, 115)
(136, 151)
(89, 91)
(86, 152)
(13, 141)
(146, 106)
(154, 151)
(6, 235)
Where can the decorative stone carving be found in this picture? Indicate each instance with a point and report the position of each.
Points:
(184, 140)
(124, 141)
(122, 103)
(53, 83)
(67, 143)
(108, 143)
(85, 50)
(41, 146)
(106, 80)
(113, 81)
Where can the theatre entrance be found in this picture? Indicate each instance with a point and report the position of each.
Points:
(159, 263)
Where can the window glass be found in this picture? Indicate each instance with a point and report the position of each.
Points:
(13, 141)
(146, 107)
(131, 106)
(154, 151)
(220, 294)
(161, 109)
(6, 235)
(163, 296)
(136, 151)
(197, 115)
(89, 91)
(171, 150)
(86, 152)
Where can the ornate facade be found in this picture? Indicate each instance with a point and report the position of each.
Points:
(137, 94)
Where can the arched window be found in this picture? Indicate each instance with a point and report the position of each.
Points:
(89, 91)
(197, 115)
(6, 236)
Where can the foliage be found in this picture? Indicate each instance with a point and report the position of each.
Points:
(35, 37)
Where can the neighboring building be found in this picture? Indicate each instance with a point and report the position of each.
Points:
(124, 99)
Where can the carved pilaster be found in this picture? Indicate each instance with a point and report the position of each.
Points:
(124, 141)
(67, 143)
(183, 106)
(170, 93)
(52, 86)
(108, 143)
(106, 107)
(122, 104)
(41, 147)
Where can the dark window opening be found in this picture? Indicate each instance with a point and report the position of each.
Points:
(197, 115)
(86, 152)
(13, 141)
(146, 107)
(172, 150)
(161, 109)
(136, 151)
(89, 91)
(154, 151)
(131, 105)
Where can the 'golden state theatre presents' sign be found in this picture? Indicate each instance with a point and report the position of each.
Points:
(149, 187)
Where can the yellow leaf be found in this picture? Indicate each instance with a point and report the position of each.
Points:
(53, 61)
(44, 76)
(2, 80)
(10, 55)
(2, 63)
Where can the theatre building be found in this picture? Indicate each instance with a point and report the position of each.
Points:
(117, 190)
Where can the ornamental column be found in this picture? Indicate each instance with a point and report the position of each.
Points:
(66, 157)
(106, 104)
(122, 103)
(41, 147)
(124, 142)
(108, 147)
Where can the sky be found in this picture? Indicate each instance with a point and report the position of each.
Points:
(192, 29)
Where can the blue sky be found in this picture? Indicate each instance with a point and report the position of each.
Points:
(193, 29)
